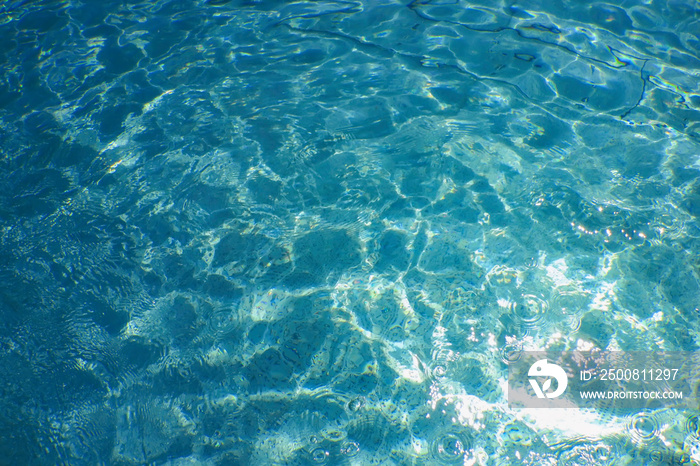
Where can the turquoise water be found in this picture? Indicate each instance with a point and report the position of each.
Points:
(290, 233)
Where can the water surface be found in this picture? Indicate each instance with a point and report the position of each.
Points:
(267, 232)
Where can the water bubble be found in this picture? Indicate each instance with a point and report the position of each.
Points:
(681, 457)
(350, 449)
(319, 456)
(530, 310)
(439, 371)
(643, 427)
(511, 352)
(450, 447)
(656, 456)
(356, 404)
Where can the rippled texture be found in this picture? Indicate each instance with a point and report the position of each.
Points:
(267, 232)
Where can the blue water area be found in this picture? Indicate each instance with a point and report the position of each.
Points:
(265, 232)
